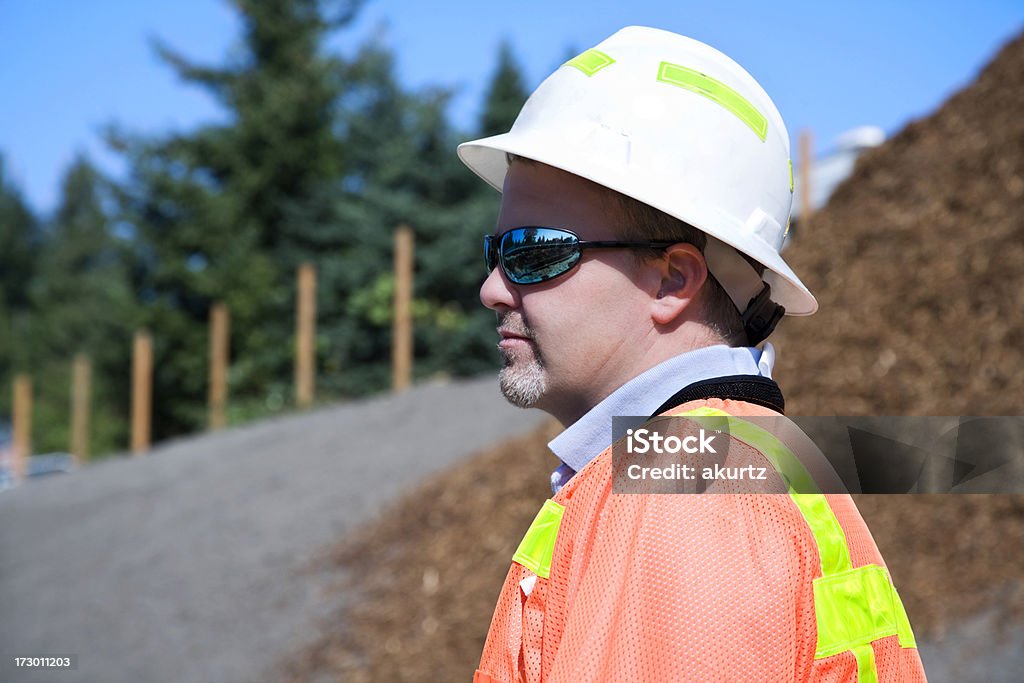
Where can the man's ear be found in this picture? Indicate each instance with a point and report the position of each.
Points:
(682, 272)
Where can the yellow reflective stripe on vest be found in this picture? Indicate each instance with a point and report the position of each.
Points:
(903, 630)
(538, 545)
(828, 535)
(856, 607)
(787, 465)
(852, 606)
(867, 672)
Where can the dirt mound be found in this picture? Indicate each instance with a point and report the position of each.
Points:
(918, 264)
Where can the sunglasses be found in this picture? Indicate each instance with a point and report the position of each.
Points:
(531, 255)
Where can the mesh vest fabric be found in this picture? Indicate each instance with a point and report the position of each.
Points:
(679, 588)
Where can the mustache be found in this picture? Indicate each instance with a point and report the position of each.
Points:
(514, 323)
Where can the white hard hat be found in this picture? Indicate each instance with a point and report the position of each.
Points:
(677, 125)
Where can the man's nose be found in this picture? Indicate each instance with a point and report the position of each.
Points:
(497, 293)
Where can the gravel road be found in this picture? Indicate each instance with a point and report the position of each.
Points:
(189, 564)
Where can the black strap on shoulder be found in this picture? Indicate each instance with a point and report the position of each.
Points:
(755, 389)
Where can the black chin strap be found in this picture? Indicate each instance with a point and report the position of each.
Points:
(755, 389)
(761, 316)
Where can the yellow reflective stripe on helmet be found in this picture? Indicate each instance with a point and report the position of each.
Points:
(716, 91)
(591, 61)
(538, 545)
(787, 465)
(791, 175)
(856, 607)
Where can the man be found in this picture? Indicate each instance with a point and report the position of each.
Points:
(646, 193)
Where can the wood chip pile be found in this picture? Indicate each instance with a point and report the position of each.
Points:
(918, 265)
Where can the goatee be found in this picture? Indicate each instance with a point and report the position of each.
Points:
(523, 380)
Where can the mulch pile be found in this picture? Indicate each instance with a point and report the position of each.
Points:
(918, 263)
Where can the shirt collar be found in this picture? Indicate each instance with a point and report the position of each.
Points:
(592, 433)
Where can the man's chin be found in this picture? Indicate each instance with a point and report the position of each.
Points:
(522, 384)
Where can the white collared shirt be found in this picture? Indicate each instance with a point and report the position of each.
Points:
(586, 438)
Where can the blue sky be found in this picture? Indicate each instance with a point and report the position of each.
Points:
(68, 68)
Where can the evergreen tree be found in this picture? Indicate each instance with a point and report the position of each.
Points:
(215, 210)
(402, 169)
(82, 302)
(319, 159)
(505, 94)
(20, 239)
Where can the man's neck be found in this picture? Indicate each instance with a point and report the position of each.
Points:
(664, 347)
(643, 395)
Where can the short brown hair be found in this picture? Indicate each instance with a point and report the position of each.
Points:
(645, 223)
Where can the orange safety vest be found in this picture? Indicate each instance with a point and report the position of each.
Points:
(659, 588)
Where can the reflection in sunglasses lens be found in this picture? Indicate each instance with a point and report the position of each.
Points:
(532, 255)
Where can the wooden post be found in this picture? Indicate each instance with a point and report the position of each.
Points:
(220, 322)
(806, 160)
(81, 394)
(142, 392)
(22, 440)
(401, 337)
(305, 333)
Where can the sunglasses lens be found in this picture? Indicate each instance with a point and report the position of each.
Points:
(532, 255)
